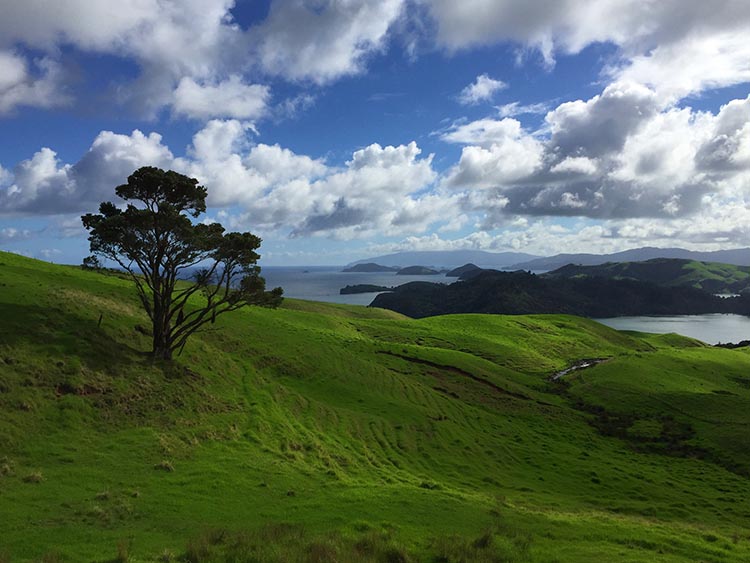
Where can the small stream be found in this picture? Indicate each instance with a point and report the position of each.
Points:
(580, 364)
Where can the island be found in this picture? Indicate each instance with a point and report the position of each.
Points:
(522, 293)
(363, 288)
(369, 267)
(417, 271)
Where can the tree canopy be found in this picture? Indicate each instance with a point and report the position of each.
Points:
(186, 273)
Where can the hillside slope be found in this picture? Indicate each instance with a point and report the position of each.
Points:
(709, 276)
(736, 256)
(338, 433)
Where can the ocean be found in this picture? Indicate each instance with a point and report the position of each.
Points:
(322, 283)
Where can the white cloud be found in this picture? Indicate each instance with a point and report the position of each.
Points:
(12, 234)
(167, 39)
(44, 185)
(568, 24)
(575, 165)
(19, 86)
(500, 152)
(620, 154)
(231, 98)
(380, 190)
(192, 51)
(483, 132)
(677, 47)
(321, 41)
(603, 123)
(12, 70)
(516, 108)
(278, 164)
(691, 65)
(481, 90)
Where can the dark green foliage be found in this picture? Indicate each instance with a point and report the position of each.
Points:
(464, 272)
(91, 263)
(671, 272)
(417, 271)
(520, 293)
(363, 288)
(156, 241)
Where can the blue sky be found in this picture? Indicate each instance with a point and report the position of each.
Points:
(340, 129)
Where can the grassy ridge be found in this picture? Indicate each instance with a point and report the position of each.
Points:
(713, 277)
(321, 432)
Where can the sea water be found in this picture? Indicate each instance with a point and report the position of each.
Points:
(322, 283)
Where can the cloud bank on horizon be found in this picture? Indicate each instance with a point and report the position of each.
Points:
(340, 128)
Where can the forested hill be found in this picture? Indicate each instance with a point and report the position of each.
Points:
(713, 277)
(520, 293)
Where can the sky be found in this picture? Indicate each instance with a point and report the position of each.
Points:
(342, 129)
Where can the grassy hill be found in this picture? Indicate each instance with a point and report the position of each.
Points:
(710, 276)
(322, 432)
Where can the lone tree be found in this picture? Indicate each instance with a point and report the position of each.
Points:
(157, 243)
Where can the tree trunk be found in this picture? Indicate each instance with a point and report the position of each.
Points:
(162, 342)
(164, 353)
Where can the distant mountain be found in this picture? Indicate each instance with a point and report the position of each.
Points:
(710, 276)
(521, 293)
(737, 257)
(369, 267)
(450, 258)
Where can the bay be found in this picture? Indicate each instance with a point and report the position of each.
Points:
(713, 328)
(322, 283)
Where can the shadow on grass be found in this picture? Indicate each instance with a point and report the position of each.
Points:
(56, 333)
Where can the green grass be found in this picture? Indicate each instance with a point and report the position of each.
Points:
(322, 432)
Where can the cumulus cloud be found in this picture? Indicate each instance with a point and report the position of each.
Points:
(44, 185)
(376, 191)
(192, 51)
(568, 24)
(620, 154)
(41, 86)
(677, 47)
(321, 41)
(481, 90)
(499, 152)
(691, 65)
(603, 123)
(168, 40)
(381, 189)
(230, 98)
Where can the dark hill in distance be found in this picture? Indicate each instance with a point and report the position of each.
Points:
(710, 276)
(519, 293)
(737, 257)
(363, 288)
(369, 267)
(417, 271)
(449, 258)
(465, 271)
